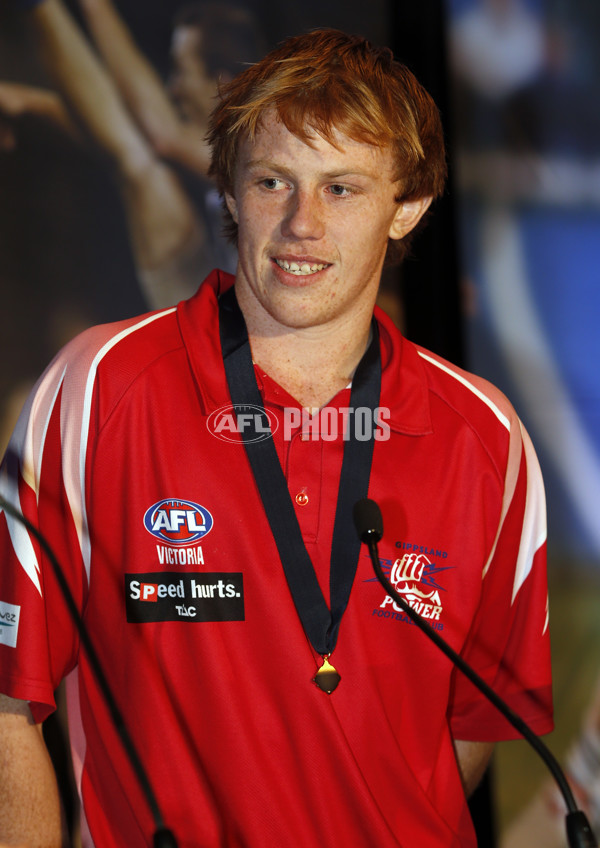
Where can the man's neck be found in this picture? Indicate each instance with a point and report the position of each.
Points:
(311, 372)
(312, 364)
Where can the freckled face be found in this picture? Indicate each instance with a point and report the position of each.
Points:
(314, 222)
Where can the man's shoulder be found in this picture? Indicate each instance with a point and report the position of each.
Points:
(463, 404)
(465, 392)
(120, 347)
(102, 361)
(153, 349)
(137, 341)
(430, 391)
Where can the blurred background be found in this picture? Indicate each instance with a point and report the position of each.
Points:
(505, 281)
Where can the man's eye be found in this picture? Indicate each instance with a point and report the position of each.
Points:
(272, 183)
(338, 190)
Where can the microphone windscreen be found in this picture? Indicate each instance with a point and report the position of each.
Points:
(367, 520)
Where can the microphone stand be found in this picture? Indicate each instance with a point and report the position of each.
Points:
(163, 837)
(579, 832)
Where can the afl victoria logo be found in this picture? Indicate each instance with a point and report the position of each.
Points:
(178, 522)
(230, 423)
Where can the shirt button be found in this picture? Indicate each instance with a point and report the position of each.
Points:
(302, 498)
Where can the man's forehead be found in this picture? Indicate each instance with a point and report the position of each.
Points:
(273, 138)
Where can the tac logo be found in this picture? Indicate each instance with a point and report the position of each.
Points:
(178, 522)
(228, 423)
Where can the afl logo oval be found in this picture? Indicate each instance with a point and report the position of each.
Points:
(178, 522)
(253, 423)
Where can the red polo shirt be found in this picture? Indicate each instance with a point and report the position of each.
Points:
(125, 459)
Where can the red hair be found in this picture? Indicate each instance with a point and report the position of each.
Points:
(326, 80)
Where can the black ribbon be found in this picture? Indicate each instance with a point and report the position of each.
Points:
(321, 624)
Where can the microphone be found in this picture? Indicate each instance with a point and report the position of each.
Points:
(368, 521)
(163, 837)
(369, 526)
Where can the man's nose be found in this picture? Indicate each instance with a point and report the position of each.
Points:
(305, 216)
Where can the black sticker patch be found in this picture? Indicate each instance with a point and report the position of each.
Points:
(172, 596)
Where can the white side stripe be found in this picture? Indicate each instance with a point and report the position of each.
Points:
(18, 534)
(24, 443)
(76, 489)
(533, 534)
(499, 415)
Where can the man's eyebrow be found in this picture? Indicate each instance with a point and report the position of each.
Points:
(336, 174)
(268, 164)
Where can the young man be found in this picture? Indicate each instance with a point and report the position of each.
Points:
(195, 471)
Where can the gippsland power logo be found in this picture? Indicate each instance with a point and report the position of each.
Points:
(415, 577)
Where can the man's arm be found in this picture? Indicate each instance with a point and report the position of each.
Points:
(143, 90)
(473, 759)
(160, 215)
(29, 800)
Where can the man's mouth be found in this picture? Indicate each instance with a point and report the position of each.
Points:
(301, 269)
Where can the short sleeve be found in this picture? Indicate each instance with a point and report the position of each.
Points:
(509, 643)
(38, 638)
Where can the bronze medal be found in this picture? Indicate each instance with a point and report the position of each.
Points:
(327, 678)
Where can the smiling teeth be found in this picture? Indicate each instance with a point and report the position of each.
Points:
(299, 270)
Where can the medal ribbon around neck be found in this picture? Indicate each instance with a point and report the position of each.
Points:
(320, 624)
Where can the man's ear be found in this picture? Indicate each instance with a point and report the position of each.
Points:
(232, 206)
(408, 216)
